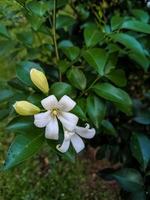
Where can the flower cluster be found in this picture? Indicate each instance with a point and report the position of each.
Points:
(55, 110)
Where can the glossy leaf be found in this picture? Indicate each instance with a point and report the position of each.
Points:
(130, 179)
(21, 125)
(77, 78)
(140, 146)
(92, 36)
(5, 95)
(136, 25)
(141, 15)
(3, 31)
(23, 71)
(64, 21)
(137, 51)
(96, 110)
(61, 88)
(79, 112)
(71, 52)
(23, 147)
(118, 77)
(96, 58)
(116, 95)
(109, 128)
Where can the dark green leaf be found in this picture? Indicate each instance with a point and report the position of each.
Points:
(137, 52)
(141, 15)
(61, 88)
(77, 78)
(79, 112)
(109, 128)
(140, 146)
(64, 21)
(97, 59)
(92, 36)
(23, 147)
(130, 179)
(71, 52)
(96, 110)
(135, 25)
(5, 95)
(63, 66)
(118, 77)
(35, 21)
(143, 117)
(22, 125)
(26, 37)
(38, 7)
(116, 95)
(3, 31)
(23, 71)
(116, 22)
(4, 113)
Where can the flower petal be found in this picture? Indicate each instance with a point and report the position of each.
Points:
(85, 132)
(50, 102)
(64, 147)
(77, 143)
(68, 120)
(41, 120)
(66, 103)
(52, 129)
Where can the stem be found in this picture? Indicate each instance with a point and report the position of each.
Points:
(54, 36)
(54, 31)
(90, 86)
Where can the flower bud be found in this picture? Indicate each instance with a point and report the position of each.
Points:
(39, 79)
(26, 108)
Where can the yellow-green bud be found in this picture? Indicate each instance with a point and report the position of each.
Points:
(26, 108)
(39, 79)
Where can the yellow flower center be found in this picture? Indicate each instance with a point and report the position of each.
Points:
(55, 112)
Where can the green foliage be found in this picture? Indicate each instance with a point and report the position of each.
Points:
(90, 52)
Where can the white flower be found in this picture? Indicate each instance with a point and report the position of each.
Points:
(74, 138)
(56, 110)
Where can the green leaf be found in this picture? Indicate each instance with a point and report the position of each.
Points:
(77, 78)
(38, 8)
(118, 77)
(23, 147)
(5, 95)
(22, 125)
(79, 112)
(116, 95)
(3, 31)
(143, 117)
(92, 36)
(4, 113)
(140, 146)
(71, 52)
(64, 21)
(136, 25)
(35, 21)
(141, 15)
(23, 71)
(96, 58)
(109, 128)
(141, 195)
(137, 51)
(63, 66)
(116, 22)
(26, 37)
(96, 110)
(65, 44)
(130, 179)
(61, 88)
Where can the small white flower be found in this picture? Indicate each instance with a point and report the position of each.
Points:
(56, 110)
(74, 138)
